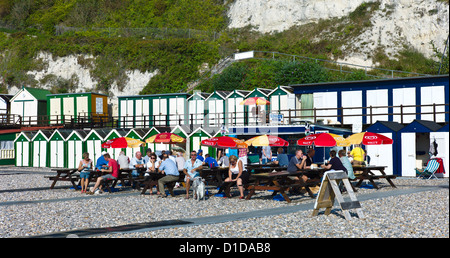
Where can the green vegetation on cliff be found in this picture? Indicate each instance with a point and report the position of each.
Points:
(176, 38)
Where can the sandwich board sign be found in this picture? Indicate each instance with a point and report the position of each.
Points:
(329, 191)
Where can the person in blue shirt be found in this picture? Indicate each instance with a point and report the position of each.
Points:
(210, 161)
(101, 162)
(199, 155)
(191, 170)
(169, 168)
(283, 160)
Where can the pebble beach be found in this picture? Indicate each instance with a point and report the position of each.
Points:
(28, 208)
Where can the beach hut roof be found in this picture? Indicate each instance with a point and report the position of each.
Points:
(385, 126)
(421, 126)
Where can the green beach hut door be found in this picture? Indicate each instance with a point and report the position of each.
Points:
(57, 152)
(74, 151)
(39, 153)
(22, 153)
(160, 111)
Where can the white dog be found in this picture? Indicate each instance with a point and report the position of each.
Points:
(198, 188)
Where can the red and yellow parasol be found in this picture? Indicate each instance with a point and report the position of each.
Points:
(168, 138)
(323, 140)
(122, 142)
(267, 140)
(224, 142)
(255, 101)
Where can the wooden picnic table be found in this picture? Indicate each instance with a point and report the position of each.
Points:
(64, 174)
(152, 180)
(282, 181)
(214, 176)
(366, 173)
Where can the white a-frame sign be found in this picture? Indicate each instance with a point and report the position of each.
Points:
(329, 191)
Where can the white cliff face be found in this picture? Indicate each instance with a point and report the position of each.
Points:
(280, 15)
(412, 22)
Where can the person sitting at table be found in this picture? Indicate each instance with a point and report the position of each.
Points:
(349, 156)
(346, 164)
(191, 170)
(113, 174)
(237, 173)
(199, 155)
(180, 161)
(101, 162)
(210, 161)
(123, 161)
(297, 162)
(358, 155)
(137, 162)
(169, 168)
(309, 158)
(224, 160)
(83, 167)
(334, 163)
(153, 164)
(148, 153)
(282, 158)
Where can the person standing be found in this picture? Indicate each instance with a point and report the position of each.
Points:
(266, 154)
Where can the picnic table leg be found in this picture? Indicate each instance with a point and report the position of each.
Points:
(55, 180)
(373, 183)
(390, 182)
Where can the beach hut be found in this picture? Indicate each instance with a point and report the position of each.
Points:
(70, 106)
(76, 147)
(283, 99)
(22, 146)
(255, 111)
(152, 110)
(40, 148)
(30, 104)
(415, 143)
(93, 142)
(442, 139)
(235, 111)
(386, 155)
(196, 137)
(57, 148)
(196, 103)
(215, 104)
(150, 133)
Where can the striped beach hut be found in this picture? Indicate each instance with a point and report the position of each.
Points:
(196, 103)
(234, 111)
(75, 147)
(57, 148)
(71, 106)
(40, 148)
(215, 104)
(22, 146)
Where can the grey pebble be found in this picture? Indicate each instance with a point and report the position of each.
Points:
(419, 215)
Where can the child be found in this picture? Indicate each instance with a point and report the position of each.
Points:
(84, 167)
